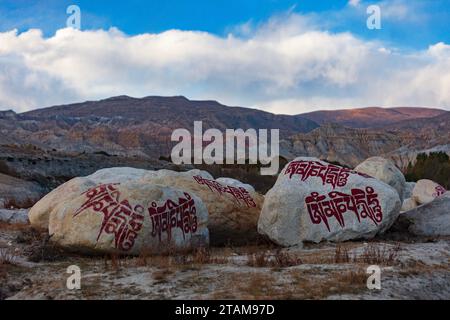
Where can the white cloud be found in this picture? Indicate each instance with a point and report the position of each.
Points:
(354, 3)
(287, 65)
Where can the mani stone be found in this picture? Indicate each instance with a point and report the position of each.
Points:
(233, 207)
(426, 191)
(314, 201)
(126, 217)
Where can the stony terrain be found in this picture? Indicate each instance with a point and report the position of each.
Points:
(411, 269)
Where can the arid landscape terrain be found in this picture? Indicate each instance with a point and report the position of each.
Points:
(42, 149)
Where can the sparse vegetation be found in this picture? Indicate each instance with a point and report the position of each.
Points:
(434, 166)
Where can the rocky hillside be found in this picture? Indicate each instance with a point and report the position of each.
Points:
(335, 143)
(372, 117)
(53, 144)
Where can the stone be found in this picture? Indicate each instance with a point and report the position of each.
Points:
(408, 204)
(314, 201)
(128, 218)
(408, 191)
(233, 207)
(385, 171)
(14, 216)
(430, 219)
(426, 191)
(236, 183)
(40, 212)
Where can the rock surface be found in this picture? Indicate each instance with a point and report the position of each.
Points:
(408, 204)
(314, 201)
(431, 219)
(426, 191)
(385, 171)
(128, 217)
(14, 216)
(408, 191)
(18, 193)
(233, 209)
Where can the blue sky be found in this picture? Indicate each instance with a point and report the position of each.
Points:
(282, 56)
(428, 23)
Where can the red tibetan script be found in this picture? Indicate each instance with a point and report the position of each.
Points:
(440, 190)
(172, 215)
(240, 194)
(330, 174)
(119, 217)
(363, 203)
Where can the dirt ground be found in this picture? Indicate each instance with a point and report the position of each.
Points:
(32, 268)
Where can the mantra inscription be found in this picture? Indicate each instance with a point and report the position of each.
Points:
(240, 194)
(119, 217)
(172, 215)
(364, 204)
(330, 174)
(439, 191)
(124, 221)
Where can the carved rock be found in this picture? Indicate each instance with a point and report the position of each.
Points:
(426, 191)
(127, 217)
(313, 201)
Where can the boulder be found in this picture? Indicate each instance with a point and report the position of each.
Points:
(426, 191)
(385, 171)
(313, 201)
(233, 207)
(430, 219)
(18, 193)
(408, 192)
(127, 218)
(40, 212)
(408, 204)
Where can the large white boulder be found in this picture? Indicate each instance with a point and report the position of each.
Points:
(426, 191)
(126, 217)
(430, 219)
(385, 171)
(233, 208)
(313, 201)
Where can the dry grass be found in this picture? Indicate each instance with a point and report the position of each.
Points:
(295, 284)
(278, 260)
(374, 254)
(200, 256)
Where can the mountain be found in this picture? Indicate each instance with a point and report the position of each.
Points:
(51, 145)
(143, 127)
(373, 117)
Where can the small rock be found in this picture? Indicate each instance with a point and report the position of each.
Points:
(426, 191)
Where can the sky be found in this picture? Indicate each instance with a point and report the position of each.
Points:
(282, 56)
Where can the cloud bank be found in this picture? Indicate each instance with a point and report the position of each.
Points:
(287, 65)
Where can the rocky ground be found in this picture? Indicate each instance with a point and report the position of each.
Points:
(419, 268)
